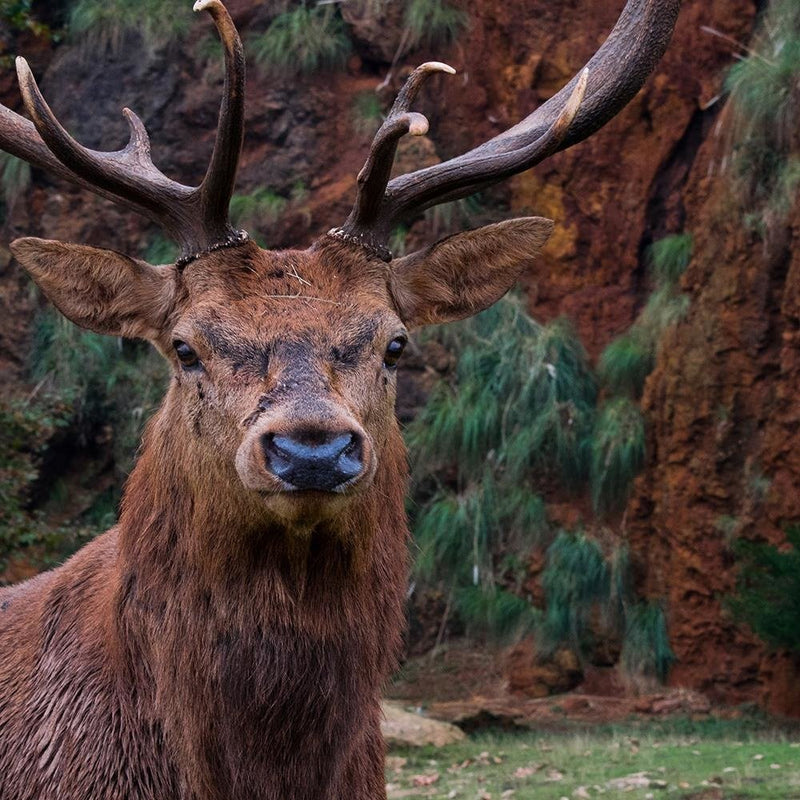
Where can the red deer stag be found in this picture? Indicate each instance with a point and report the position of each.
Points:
(229, 638)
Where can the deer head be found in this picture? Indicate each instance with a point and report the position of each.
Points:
(284, 362)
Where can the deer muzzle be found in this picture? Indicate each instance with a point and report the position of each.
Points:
(314, 460)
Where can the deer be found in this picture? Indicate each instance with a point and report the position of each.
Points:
(229, 637)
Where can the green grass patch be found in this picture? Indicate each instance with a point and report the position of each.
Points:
(736, 760)
(101, 25)
(520, 404)
(257, 209)
(575, 580)
(668, 258)
(768, 590)
(432, 23)
(15, 178)
(305, 39)
(646, 650)
(618, 451)
(765, 105)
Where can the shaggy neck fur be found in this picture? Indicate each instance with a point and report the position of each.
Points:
(197, 652)
(263, 642)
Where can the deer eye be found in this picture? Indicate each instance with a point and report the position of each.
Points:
(185, 354)
(394, 351)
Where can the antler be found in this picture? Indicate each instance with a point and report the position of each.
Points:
(608, 82)
(196, 217)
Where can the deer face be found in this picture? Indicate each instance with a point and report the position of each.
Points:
(284, 363)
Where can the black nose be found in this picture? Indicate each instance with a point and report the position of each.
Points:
(320, 460)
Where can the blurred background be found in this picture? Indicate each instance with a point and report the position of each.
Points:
(606, 464)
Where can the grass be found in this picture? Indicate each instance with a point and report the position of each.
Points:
(669, 257)
(89, 388)
(765, 115)
(257, 209)
(575, 580)
(679, 758)
(105, 380)
(20, 16)
(521, 402)
(433, 23)
(302, 40)
(160, 250)
(646, 650)
(15, 178)
(627, 361)
(367, 112)
(625, 364)
(101, 25)
(768, 590)
(618, 452)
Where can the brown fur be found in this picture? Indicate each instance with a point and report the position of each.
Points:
(229, 639)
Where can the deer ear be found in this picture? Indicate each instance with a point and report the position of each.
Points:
(465, 273)
(101, 290)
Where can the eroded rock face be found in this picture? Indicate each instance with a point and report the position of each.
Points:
(530, 674)
(723, 456)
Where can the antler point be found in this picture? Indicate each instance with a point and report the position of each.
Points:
(438, 66)
(202, 5)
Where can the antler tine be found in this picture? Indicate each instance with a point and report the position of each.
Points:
(196, 217)
(374, 175)
(610, 80)
(218, 183)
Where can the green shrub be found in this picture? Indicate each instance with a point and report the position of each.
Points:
(765, 105)
(432, 23)
(367, 112)
(105, 380)
(768, 590)
(522, 392)
(629, 359)
(669, 257)
(495, 612)
(303, 40)
(618, 451)
(16, 178)
(161, 250)
(102, 24)
(257, 210)
(521, 401)
(645, 646)
(455, 215)
(19, 16)
(575, 580)
(625, 364)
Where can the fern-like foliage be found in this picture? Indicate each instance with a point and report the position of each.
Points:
(765, 104)
(105, 380)
(522, 400)
(15, 178)
(304, 39)
(646, 649)
(669, 257)
(626, 362)
(433, 23)
(258, 209)
(575, 579)
(768, 590)
(618, 450)
(102, 24)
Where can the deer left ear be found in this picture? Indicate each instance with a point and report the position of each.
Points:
(465, 273)
(101, 290)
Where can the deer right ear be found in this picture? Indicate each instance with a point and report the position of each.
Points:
(465, 273)
(101, 290)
